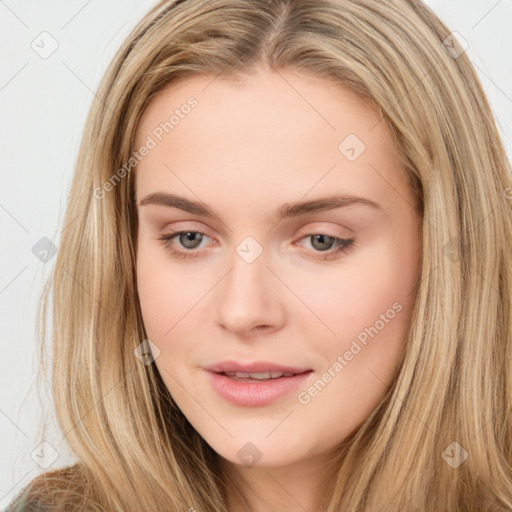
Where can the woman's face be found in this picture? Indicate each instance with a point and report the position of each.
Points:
(262, 175)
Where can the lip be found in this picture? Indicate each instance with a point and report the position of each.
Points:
(255, 393)
(253, 367)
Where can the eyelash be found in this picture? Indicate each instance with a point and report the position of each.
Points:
(342, 245)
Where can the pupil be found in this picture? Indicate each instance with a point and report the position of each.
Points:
(190, 236)
(321, 238)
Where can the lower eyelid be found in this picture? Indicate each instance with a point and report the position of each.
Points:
(340, 244)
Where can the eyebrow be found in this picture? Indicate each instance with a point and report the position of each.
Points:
(287, 210)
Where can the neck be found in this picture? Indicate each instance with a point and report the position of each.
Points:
(295, 487)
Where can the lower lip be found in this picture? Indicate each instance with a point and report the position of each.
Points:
(255, 393)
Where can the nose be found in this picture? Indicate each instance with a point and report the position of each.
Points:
(248, 301)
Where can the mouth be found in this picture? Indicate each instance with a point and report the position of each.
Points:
(256, 389)
(260, 376)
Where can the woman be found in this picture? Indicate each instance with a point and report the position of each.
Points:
(207, 355)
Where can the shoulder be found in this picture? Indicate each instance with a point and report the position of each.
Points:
(37, 496)
(25, 503)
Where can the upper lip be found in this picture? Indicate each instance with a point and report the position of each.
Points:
(253, 367)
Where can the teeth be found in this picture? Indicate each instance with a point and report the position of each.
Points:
(260, 376)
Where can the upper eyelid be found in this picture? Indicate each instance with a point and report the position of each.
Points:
(174, 233)
(304, 232)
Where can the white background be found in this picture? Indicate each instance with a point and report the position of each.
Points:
(44, 103)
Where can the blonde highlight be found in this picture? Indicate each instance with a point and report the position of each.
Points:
(135, 449)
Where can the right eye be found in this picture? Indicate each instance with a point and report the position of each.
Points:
(187, 239)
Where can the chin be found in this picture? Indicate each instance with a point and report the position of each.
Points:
(260, 454)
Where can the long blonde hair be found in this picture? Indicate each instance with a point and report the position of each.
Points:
(135, 449)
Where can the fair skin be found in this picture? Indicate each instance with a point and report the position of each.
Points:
(245, 150)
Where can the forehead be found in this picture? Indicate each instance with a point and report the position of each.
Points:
(272, 130)
(265, 99)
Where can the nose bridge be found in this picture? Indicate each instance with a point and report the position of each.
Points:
(247, 297)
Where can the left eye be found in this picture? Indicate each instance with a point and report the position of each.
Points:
(190, 240)
(340, 244)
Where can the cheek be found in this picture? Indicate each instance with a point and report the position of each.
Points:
(365, 308)
(162, 294)
(368, 308)
(168, 295)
